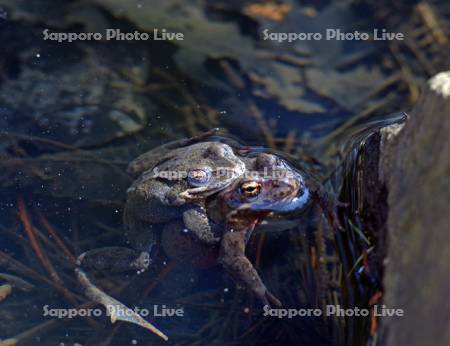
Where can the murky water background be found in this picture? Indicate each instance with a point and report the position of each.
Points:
(72, 115)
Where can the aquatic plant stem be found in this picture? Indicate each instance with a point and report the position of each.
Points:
(26, 222)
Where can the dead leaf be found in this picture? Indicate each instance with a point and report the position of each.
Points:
(269, 10)
(116, 310)
(5, 290)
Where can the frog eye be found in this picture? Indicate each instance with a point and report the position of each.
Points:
(250, 188)
(198, 177)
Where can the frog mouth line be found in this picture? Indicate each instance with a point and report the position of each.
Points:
(295, 204)
(199, 192)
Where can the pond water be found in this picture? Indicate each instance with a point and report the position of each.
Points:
(74, 114)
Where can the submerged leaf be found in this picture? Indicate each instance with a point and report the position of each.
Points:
(116, 310)
(286, 84)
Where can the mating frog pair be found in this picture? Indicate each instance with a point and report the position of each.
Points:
(203, 197)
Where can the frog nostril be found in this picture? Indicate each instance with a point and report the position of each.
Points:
(265, 160)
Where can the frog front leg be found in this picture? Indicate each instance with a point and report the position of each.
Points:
(232, 257)
(196, 220)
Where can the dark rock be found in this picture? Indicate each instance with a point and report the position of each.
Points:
(400, 196)
(415, 165)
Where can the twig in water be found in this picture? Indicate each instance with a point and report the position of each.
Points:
(26, 222)
(116, 310)
(56, 238)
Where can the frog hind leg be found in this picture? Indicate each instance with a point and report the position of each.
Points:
(232, 257)
(114, 260)
(140, 234)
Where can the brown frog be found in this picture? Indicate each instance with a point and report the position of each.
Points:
(173, 181)
(216, 226)
(271, 186)
(201, 212)
(174, 186)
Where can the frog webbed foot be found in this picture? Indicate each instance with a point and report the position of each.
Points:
(114, 260)
(241, 269)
